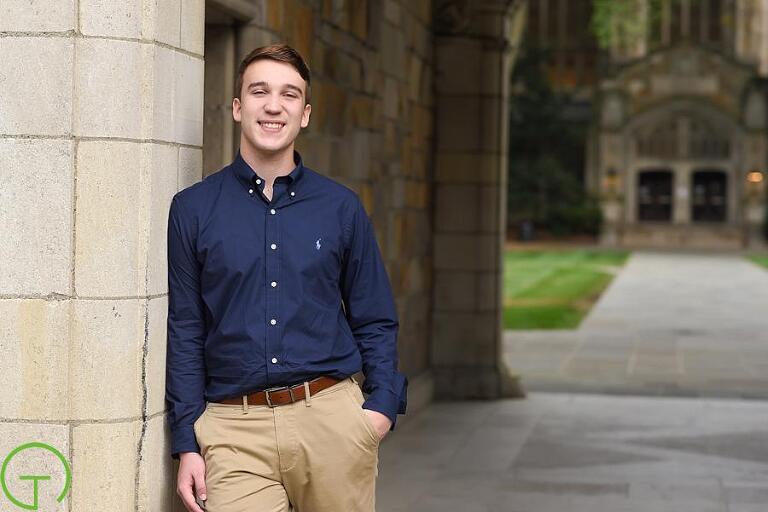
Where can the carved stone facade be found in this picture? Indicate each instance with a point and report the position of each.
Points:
(676, 150)
(679, 138)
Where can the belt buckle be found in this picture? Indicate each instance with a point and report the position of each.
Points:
(278, 388)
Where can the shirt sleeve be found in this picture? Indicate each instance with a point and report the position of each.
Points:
(372, 317)
(185, 364)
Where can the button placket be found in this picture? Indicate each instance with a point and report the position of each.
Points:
(273, 346)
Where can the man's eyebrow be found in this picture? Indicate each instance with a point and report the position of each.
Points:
(291, 86)
(265, 84)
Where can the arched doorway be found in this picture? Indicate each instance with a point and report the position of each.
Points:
(709, 201)
(654, 195)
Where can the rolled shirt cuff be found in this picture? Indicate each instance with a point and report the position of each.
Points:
(387, 402)
(183, 440)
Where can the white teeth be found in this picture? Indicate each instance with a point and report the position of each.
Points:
(271, 125)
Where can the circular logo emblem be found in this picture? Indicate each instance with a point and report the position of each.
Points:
(34, 478)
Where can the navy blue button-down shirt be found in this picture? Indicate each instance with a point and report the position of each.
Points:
(266, 293)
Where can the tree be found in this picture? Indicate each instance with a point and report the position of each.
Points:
(546, 162)
(623, 24)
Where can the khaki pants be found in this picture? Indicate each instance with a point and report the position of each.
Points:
(316, 455)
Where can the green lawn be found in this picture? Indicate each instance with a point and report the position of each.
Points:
(760, 260)
(554, 289)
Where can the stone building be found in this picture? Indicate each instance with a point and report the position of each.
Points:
(107, 108)
(677, 148)
(680, 139)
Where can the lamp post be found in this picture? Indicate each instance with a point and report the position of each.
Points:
(611, 210)
(611, 182)
(755, 177)
(755, 208)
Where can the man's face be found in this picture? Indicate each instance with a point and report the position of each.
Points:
(271, 109)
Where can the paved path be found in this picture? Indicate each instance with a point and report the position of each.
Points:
(673, 324)
(579, 453)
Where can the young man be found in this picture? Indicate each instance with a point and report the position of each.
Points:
(277, 296)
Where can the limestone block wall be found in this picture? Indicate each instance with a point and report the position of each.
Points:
(371, 124)
(100, 124)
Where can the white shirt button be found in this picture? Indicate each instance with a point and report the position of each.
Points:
(274, 284)
(250, 191)
(293, 194)
(273, 246)
(258, 182)
(273, 321)
(272, 211)
(274, 360)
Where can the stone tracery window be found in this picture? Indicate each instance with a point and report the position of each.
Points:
(705, 142)
(683, 136)
(660, 141)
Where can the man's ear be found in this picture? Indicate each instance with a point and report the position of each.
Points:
(305, 115)
(236, 110)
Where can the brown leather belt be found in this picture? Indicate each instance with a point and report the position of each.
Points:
(282, 395)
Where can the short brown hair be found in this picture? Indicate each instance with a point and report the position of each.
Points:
(279, 53)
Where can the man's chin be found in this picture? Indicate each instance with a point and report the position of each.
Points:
(269, 147)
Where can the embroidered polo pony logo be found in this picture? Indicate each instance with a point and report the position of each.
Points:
(317, 243)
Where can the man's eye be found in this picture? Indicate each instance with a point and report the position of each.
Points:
(291, 95)
(258, 91)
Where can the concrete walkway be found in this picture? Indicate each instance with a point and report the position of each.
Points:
(579, 453)
(672, 324)
(669, 324)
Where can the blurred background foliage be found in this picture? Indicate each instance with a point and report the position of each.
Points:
(546, 167)
(623, 23)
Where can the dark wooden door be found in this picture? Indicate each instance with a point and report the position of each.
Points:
(654, 196)
(709, 202)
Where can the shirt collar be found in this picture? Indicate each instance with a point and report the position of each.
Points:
(247, 176)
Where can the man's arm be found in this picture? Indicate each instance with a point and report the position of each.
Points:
(185, 364)
(372, 316)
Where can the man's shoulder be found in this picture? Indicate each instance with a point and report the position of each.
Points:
(199, 192)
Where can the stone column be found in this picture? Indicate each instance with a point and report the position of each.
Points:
(100, 124)
(682, 191)
(746, 198)
(474, 50)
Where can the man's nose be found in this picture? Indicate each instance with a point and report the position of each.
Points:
(272, 104)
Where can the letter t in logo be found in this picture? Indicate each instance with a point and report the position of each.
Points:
(34, 478)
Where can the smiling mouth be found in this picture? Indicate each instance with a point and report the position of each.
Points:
(270, 126)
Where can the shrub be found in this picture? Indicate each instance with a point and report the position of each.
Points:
(578, 218)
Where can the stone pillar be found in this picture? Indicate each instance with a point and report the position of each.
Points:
(682, 181)
(100, 124)
(474, 51)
